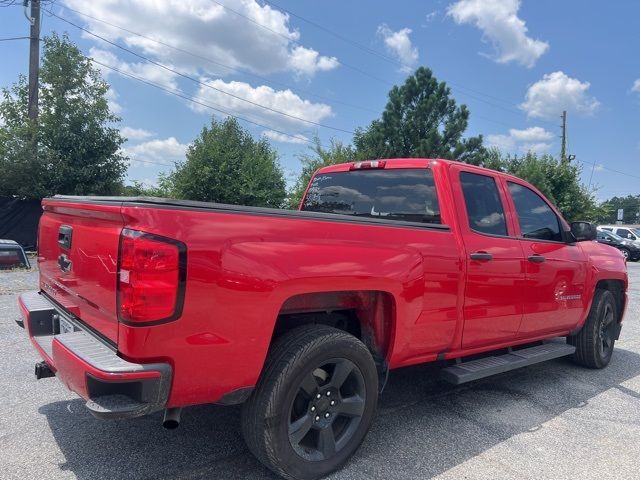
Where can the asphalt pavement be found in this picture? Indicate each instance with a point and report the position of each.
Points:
(550, 421)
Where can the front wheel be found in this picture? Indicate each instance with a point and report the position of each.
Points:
(314, 403)
(625, 253)
(595, 341)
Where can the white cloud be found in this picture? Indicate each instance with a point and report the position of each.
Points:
(506, 143)
(532, 139)
(280, 100)
(148, 71)
(547, 98)
(161, 152)
(279, 137)
(305, 61)
(598, 168)
(399, 44)
(531, 134)
(500, 25)
(636, 86)
(209, 31)
(136, 133)
(431, 16)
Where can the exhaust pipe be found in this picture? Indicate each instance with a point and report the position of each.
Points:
(171, 418)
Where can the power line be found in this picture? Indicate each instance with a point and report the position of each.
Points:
(231, 68)
(294, 42)
(195, 80)
(358, 45)
(150, 162)
(594, 165)
(197, 101)
(217, 63)
(457, 86)
(14, 38)
(376, 53)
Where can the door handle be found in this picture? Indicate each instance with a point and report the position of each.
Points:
(481, 256)
(536, 258)
(64, 236)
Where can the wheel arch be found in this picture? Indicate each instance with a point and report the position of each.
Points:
(617, 288)
(369, 315)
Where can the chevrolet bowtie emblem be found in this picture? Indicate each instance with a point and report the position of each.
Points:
(64, 263)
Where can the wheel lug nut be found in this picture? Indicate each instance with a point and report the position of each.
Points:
(318, 396)
(317, 418)
(313, 408)
(328, 393)
(333, 402)
(327, 415)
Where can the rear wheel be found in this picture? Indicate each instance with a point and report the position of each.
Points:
(314, 403)
(595, 341)
(625, 253)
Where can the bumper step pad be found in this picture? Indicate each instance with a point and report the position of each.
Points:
(90, 366)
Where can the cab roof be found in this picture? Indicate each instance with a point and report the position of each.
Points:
(392, 163)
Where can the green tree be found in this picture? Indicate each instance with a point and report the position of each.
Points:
(20, 172)
(558, 180)
(318, 157)
(226, 165)
(78, 140)
(630, 204)
(137, 188)
(421, 119)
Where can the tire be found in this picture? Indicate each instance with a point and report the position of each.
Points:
(594, 342)
(291, 430)
(625, 253)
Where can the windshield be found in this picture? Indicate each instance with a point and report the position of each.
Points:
(395, 194)
(606, 234)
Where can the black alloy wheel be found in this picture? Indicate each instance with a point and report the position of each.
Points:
(314, 403)
(327, 409)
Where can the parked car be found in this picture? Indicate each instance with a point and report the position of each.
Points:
(630, 250)
(148, 304)
(12, 255)
(624, 231)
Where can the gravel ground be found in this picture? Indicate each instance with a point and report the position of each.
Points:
(550, 421)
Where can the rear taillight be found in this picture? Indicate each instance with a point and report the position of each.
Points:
(151, 278)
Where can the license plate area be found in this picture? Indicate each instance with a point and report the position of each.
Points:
(66, 326)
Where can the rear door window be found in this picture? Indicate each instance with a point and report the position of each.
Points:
(484, 207)
(394, 194)
(537, 220)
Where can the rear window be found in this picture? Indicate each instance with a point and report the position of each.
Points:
(396, 194)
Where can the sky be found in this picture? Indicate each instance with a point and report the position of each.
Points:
(294, 70)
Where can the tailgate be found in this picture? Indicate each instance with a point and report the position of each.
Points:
(77, 256)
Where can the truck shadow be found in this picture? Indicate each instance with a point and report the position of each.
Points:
(433, 425)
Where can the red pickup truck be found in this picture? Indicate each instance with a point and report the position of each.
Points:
(150, 304)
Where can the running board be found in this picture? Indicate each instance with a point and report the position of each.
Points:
(484, 367)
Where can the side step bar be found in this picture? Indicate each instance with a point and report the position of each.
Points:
(484, 367)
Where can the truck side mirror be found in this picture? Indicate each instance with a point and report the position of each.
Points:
(583, 231)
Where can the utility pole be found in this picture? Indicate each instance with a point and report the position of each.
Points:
(563, 146)
(34, 57)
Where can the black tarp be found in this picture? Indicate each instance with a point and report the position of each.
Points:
(19, 221)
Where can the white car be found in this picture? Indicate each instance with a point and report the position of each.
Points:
(624, 231)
